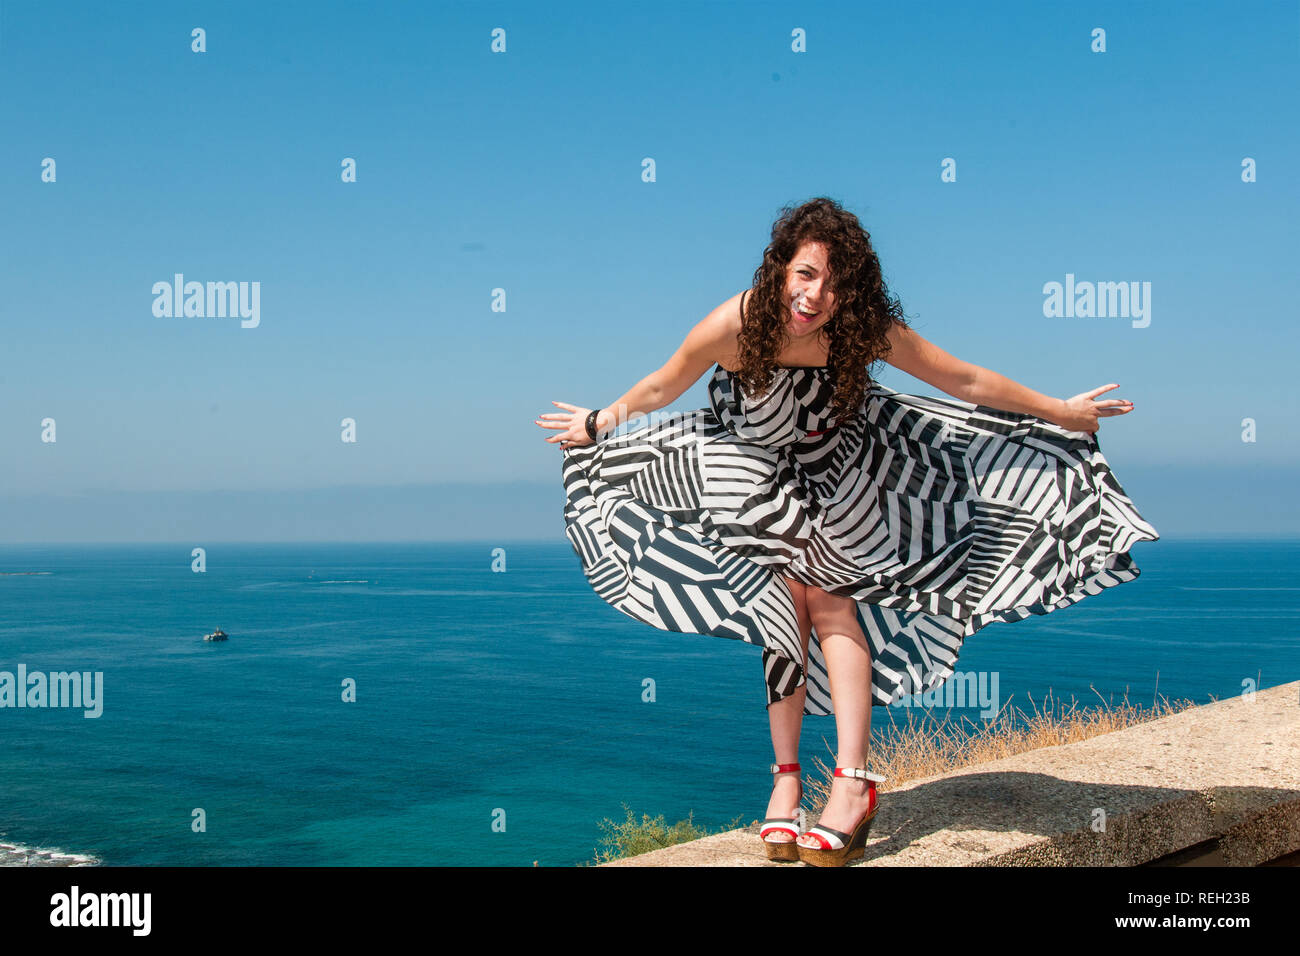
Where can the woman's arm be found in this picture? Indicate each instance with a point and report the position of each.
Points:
(711, 338)
(701, 348)
(980, 386)
(970, 383)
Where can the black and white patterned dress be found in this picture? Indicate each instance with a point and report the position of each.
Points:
(936, 516)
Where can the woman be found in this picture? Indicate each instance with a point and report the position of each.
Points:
(810, 500)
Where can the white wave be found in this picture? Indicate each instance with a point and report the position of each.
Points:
(16, 854)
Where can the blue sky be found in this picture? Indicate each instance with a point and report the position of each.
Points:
(522, 171)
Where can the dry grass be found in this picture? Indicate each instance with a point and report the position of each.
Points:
(926, 746)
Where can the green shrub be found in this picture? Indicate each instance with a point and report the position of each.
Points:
(630, 838)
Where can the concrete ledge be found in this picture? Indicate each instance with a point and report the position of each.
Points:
(1227, 772)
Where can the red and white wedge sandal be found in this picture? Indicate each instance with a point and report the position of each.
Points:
(836, 848)
(784, 849)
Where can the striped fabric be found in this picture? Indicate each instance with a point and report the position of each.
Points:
(936, 516)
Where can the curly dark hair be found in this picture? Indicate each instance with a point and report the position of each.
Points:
(864, 313)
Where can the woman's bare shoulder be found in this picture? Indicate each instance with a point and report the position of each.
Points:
(727, 315)
(726, 321)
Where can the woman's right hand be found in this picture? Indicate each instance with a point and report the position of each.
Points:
(572, 425)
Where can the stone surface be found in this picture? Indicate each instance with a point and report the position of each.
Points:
(1227, 771)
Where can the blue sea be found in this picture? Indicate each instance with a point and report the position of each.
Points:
(498, 715)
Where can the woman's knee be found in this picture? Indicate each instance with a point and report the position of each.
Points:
(831, 613)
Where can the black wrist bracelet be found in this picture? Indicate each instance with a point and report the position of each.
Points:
(591, 423)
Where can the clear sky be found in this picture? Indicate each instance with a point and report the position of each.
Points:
(522, 170)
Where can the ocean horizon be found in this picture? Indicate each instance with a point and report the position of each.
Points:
(498, 715)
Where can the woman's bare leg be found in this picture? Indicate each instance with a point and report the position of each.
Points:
(848, 665)
(785, 718)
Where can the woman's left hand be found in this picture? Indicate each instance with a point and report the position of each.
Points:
(1082, 412)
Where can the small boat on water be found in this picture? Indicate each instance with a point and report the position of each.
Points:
(217, 635)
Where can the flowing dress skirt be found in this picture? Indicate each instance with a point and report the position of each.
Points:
(936, 516)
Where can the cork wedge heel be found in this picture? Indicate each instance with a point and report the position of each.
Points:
(837, 848)
(785, 850)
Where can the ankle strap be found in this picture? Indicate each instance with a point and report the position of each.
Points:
(860, 773)
(785, 768)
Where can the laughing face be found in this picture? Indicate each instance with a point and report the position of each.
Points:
(810, 303)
